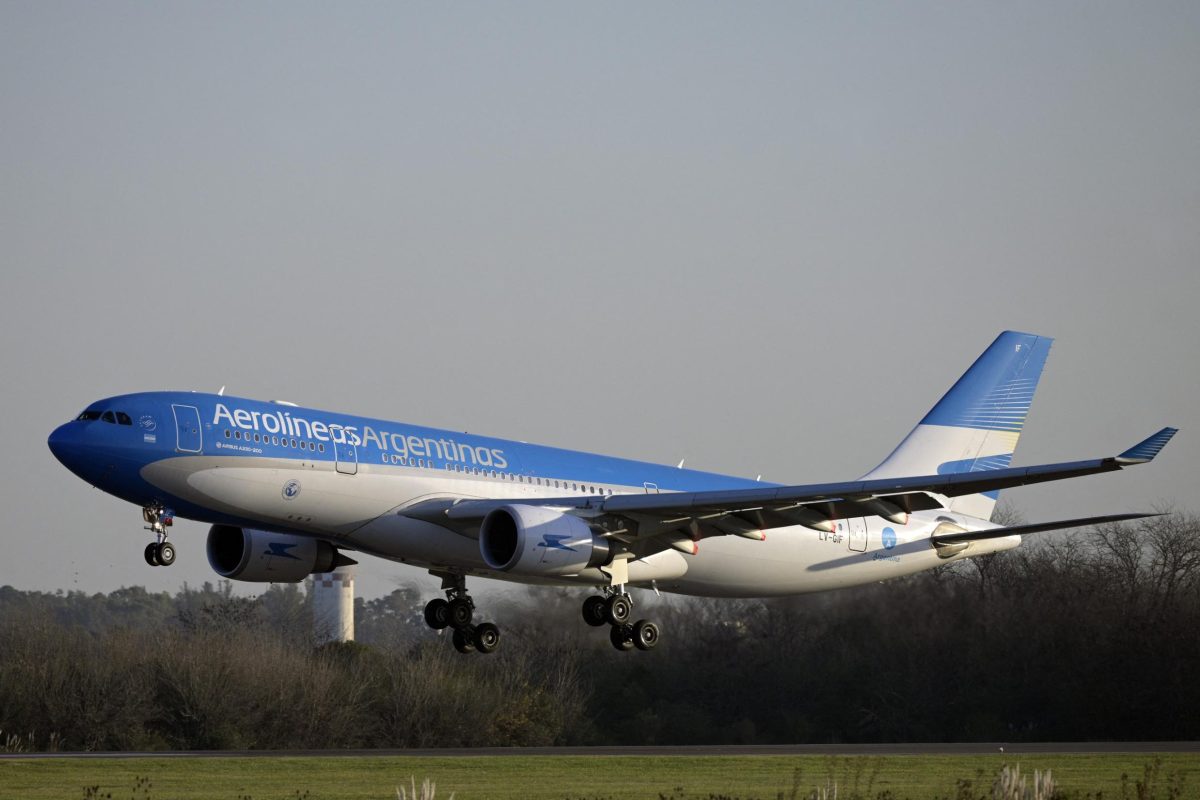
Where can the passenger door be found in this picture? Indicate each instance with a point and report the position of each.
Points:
(188, 435)
(345, 455)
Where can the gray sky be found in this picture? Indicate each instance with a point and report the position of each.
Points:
(766, 237)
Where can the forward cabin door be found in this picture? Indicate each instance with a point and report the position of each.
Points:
(188, 438)
(857, 528)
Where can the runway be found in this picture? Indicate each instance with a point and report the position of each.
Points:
(909, 749)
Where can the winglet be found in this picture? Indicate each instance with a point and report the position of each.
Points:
(1146, 450)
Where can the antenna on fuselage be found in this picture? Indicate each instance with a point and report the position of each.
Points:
(680, 464)
(221, 392)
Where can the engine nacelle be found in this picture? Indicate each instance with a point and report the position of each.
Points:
(537, 541)
(249, 555)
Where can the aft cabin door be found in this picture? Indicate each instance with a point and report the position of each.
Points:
(345, 455)
(857, 528)
(188, 438)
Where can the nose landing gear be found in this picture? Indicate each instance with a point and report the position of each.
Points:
(457, 611)
(160, 552)
(615, 608)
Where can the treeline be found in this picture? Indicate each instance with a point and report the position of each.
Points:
(1090, 636)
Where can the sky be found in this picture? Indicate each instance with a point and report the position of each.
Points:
(764, 237)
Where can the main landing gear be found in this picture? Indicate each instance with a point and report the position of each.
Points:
(456, 612)
(615, 608)
(160, 552)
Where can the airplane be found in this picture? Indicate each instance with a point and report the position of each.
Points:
(289, 491)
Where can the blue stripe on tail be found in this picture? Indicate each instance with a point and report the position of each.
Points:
(996, 392)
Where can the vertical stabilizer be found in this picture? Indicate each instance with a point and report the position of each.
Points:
(976, 425)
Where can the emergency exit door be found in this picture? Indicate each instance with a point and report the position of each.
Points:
(857, 529)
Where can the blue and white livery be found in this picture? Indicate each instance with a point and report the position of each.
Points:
(289, 491)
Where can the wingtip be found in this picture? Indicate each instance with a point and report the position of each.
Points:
(1147, 449)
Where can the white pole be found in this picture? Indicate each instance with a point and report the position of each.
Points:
(333, 605)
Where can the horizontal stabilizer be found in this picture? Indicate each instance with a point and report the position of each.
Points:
(1039, 527)
(1145, 451)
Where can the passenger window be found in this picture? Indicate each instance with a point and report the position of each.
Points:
(283, 442)
(228, 433)
(237, 434)
(322, 447)
(107, 416)
(275, 440)
(293, 442)
(123, 418)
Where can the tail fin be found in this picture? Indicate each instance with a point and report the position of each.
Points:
(975, 426)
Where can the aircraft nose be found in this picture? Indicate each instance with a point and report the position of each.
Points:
(65, 444)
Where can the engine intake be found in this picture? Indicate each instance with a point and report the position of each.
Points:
(538, 541)
(244, 554)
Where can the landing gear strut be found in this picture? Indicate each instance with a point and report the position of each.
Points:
(456, 612)
(160, 552)
(615, 609)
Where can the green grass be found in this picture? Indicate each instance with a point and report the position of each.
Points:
(557, 777)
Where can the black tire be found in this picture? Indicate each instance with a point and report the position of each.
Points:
(595, 611)
(460, 612)
(166, 554)
(486, 638)
(151, 554)
(618, 609)
(462, 641)
(621, 637)
(437, 614)
(645, 634)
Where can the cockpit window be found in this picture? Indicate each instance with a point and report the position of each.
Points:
(88, 416)
(123, 418)
(107, 416)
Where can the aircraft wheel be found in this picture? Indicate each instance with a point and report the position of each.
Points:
(621, 637)
(437, 614)
(151, 554)
(486, 638)
(166, 554)
(462, 641)
(645, 634)
(594, 611)
(618, 609)
(460, 612)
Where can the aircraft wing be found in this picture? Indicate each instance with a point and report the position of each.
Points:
(743, 511)
(1037, 527)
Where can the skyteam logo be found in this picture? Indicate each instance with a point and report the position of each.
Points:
(280, 549)
(552, 541)
(889, 538)
(291, 489)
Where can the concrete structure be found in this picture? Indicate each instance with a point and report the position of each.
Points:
(333, 605)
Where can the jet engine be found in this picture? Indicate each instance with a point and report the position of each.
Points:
(249, 555)
(537, 541)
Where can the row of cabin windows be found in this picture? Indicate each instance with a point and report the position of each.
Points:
(113, 417)
(275, 440)
(571, 485)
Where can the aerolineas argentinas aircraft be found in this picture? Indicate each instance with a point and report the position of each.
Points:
(288, 490)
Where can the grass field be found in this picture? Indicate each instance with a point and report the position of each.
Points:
(557, 777)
